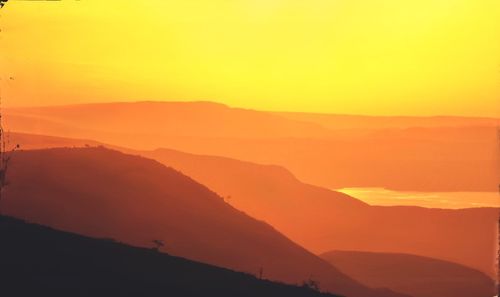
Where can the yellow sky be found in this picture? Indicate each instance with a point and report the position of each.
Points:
(422, 57)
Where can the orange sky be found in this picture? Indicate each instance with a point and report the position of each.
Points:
(421, 57)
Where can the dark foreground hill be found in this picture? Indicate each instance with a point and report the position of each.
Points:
(413, 275)
(40, 261)
(107, 194)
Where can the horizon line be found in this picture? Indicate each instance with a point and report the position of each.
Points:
(152, 101)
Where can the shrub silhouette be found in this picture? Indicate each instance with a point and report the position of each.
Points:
(5, 158)
(158, 244)
(311, 284)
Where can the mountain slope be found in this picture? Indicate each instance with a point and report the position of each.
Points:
(413, 275)
(266, 192)
(39, 261)
(104, 193)
(320, 219)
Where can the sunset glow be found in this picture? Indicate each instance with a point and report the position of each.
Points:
(304, 148)
(365, 57)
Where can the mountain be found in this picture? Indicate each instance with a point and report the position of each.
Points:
(266, 192)
(40, 261)
(340, 121)
(455, 154)
(103, 193)
(417, 159)
(183, 119)
(413, 275)
(321, 220)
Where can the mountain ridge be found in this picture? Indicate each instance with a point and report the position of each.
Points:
(408, 157)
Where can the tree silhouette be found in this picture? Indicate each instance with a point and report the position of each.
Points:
(311, 284)
(4, 158)
(261, 272)
(158, 244)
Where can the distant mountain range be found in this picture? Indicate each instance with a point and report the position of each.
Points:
(340, 121)
(334, 151)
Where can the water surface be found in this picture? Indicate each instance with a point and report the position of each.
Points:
(452, 200)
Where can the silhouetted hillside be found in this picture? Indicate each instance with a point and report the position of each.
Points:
(320, 219)
(39, 261)
(104, 193)
(413, 275)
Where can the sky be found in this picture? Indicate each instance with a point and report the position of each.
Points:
(375, 57)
